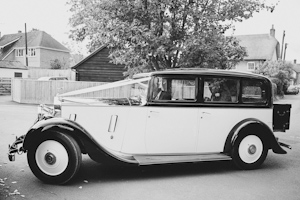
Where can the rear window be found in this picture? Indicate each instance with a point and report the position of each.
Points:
(253, 91)
(221, 90)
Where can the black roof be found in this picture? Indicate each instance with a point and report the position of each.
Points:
(202, 71)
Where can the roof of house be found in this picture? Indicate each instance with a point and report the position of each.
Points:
(89, 56)
(35, 38)
(12, 64)
(259, 46)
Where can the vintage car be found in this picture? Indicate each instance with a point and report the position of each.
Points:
(175, 116)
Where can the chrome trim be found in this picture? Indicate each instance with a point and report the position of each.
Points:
(144, 159)
(164, 159)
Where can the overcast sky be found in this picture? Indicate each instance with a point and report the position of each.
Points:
(52, 16)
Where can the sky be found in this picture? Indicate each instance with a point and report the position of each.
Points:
(52, 16)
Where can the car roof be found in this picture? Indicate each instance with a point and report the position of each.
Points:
(202, 71)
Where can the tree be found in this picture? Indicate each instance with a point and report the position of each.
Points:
(57, 64)
(280, 73)
(147, 35)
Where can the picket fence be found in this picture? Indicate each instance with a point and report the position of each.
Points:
(43, 92)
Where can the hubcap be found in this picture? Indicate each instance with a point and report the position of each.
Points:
(250, 149)
(51, 157)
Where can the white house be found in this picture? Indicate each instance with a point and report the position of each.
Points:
(260, 48)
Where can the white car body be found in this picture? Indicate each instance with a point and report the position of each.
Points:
(178, 116)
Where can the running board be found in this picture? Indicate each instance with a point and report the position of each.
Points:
(163, 159)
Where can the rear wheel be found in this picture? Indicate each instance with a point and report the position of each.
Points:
(55, 158)
(249, 151)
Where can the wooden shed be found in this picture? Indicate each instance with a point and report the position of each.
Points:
(97, 67)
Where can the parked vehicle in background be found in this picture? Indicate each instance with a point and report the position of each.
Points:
(292, 89)
(53, 78)
(176, 116)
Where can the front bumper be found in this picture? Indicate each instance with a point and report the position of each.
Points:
(44, 112)
(14, 148)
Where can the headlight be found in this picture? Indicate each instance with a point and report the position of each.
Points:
(46, 111)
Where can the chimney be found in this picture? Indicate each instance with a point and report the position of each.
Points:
(272, 31)
(295, 61)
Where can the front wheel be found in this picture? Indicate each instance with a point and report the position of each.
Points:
(249, 151)
(55, 158)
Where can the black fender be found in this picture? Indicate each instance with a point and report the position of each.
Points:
(83, 138)
(254, 125)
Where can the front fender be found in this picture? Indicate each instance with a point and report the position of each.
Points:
(83, 138)
(55, 124)
(254, 125)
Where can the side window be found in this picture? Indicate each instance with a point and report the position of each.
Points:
(173, 89)
(221, 90)
(183, 89)
(253, 91)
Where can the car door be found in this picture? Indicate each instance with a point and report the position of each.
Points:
(172, 125)
(171, 130)
(219, 113)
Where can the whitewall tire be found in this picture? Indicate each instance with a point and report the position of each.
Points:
(55, 158)
(249, 151)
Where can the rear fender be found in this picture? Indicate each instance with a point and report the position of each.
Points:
(253, 125)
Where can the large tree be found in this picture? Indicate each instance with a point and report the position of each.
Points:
(148, 35)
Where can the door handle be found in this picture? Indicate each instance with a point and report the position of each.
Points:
(206, 113)
(151, 111)
(113, 123)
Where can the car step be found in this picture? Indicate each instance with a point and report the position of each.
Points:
(163, 159)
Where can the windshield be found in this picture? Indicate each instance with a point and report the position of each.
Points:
(134, 89)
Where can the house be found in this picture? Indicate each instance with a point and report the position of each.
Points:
(42, 49)
(13, 69)
(260, 48)
(97, 67)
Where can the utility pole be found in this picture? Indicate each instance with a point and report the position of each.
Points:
(282, 45)
(285, 51)
(26, 50)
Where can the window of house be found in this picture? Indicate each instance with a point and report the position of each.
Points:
(18, 75)
(31, 52)
(19, 52)
(251, 66)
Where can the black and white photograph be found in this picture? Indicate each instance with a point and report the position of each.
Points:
(149, 99)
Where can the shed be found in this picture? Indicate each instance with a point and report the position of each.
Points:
(97, 67)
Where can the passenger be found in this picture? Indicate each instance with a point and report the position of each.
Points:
(225, 93)
(163, 94)
(156, 88)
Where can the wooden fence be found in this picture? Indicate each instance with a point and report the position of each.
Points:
(37, 73)
(43, 92)
(5, 86)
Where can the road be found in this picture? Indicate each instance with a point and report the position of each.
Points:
(277, 179)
